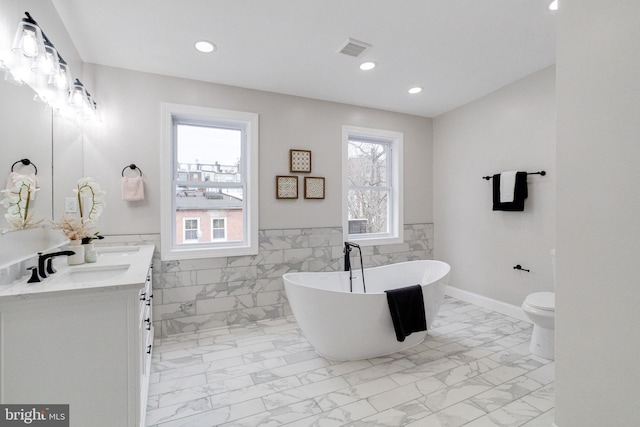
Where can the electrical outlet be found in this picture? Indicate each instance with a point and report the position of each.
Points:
(70, 205)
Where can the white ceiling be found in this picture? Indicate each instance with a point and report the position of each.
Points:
(457, 50)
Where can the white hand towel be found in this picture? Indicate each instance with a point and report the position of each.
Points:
(132, 188)
(507, 186)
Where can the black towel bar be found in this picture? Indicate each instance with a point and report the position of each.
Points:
(541, 173)
(132, 166)
(25, 162)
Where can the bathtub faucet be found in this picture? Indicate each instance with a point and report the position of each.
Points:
(348, 247)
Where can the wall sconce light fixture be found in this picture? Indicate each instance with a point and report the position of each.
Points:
(37, 63)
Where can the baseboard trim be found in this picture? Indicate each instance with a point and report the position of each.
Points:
(488, 303)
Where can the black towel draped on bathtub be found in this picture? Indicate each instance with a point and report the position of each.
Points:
(406, 306)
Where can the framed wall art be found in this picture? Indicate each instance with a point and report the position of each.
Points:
(313, 187)
(286, 187)
(300, 161)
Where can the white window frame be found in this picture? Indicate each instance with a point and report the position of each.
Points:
(395, 233)
(248, 122)
(184, 229)
(214, 239)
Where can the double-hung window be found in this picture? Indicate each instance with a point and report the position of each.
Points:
(372, 186)
(218, 229)
(191, 230)
(209, 182)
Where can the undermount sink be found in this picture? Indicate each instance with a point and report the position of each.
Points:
(95, 273)
(117, 251)
(122, 267)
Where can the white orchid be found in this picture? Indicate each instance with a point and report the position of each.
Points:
(17, 199)
(89, 192)
(10, 198)
(90, 206)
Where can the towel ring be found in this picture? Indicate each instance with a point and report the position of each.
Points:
(25, 162)
(132, 166)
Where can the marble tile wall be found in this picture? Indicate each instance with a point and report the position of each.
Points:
(191, 295)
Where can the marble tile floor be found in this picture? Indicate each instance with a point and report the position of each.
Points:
(473, 370)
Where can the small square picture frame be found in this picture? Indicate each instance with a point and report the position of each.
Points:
(299, 161)
(313, 187)
(286, 187)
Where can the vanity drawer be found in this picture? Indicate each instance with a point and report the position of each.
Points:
(146, 298)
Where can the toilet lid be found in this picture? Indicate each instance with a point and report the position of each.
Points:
(542, 300)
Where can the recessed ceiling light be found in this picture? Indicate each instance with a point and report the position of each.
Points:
(415, 90)
(366, 66)
(205, 46)
(553, 5)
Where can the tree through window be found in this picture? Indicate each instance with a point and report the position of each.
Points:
(369, 185)
(373, 185)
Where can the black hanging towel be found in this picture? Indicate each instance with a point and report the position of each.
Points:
(520, 194)
(406, 306)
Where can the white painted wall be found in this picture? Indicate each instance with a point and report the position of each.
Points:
(598, 219)
(130, 133)
(510, 129)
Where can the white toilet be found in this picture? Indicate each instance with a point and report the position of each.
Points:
(540, 309)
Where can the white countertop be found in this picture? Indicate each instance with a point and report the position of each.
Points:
(117, 267)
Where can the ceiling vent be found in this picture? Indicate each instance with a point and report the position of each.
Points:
(353, 48)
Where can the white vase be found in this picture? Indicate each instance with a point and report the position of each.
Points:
(78, 257)
(89, 253)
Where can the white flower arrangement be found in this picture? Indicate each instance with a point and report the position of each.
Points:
(90, 206)
(89, 192)
(73, 228)
(17, 201)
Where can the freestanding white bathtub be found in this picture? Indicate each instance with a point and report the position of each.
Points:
(343, 325)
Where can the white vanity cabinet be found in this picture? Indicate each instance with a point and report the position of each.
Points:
(86, 346)
(145, 327)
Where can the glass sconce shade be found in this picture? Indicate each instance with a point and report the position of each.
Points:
(92, 113)
(61, 80)
(77, 97)
(28, 40)
(87, 111)
(80, 99)
(47, 64)
(96, 112)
